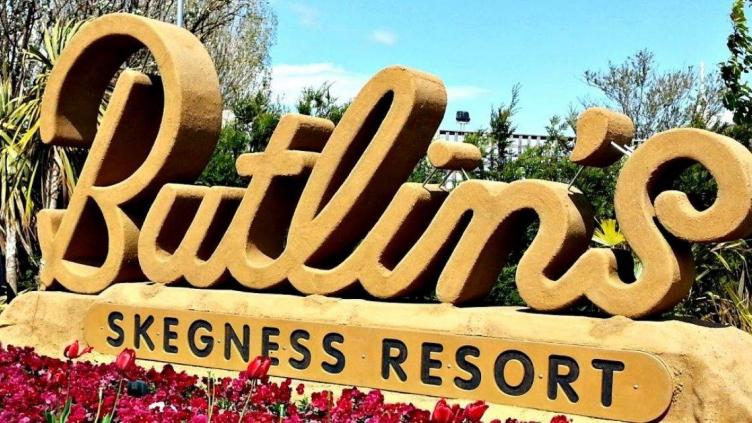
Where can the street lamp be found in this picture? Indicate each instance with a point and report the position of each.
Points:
(462, 118)
(179, 20)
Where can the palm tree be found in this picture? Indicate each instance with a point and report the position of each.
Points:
(33, 175)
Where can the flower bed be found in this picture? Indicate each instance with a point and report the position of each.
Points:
(35, 388)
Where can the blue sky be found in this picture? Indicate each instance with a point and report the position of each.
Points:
(480, 49)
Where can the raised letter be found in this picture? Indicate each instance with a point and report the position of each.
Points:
(207, 340)
(528, 373)
(475, 376)
(395, 362)
(427, 363)
(153, 131)
(305, 360)
(329, 340)
(555, 379)
(112, 320)
(607, 382)
(243, 346)
(141, 330)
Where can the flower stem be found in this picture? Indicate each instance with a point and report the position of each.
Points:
(117, 398)
(247, 398)
(67, 390)
(99, 406)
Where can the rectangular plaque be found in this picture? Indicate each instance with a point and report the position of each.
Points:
(615, 384)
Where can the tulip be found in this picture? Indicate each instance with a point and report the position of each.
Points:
(442, 413)
(474, 412)
(258, 368)
(73, 350)
(125, 359)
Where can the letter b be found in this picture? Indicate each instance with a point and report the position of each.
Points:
(154, 131)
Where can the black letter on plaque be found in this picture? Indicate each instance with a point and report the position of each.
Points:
(607, 381)
(387, 360)
(112, 320)
(461, 358)
(527, 377)
(207, 340)
(339, 365)
(169, 335)
(243, 347)
(142, 330)
(269, 345)
(427, 363)
(565, 381)
(301, 349)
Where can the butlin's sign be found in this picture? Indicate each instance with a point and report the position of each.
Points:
(328, 211)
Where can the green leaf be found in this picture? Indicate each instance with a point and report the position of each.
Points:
(722, 260)
(66, 411)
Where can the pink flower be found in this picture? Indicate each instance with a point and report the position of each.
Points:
(73, 350)
(321, 400)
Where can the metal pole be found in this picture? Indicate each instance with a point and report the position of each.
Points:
(179, 20)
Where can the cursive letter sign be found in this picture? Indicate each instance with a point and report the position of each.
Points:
(327, 208)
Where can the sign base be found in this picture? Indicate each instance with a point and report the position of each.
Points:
(602, 367)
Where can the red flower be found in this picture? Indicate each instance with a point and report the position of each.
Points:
(442, 413)
(72, 351)
(34, 385)
(125, 359)
(258, 368)
(474, 412)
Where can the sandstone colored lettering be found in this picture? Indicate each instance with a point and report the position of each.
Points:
(327, 208)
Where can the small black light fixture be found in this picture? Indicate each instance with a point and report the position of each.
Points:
(463, 118)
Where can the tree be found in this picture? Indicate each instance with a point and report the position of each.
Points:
(34, 175)
(556, 139)
(255, 118)
(501, 126)
(320, 102)
(258, 115)
(240, 48)
(494, 142)
(738, 95)
(656, 100)
(237, 34)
